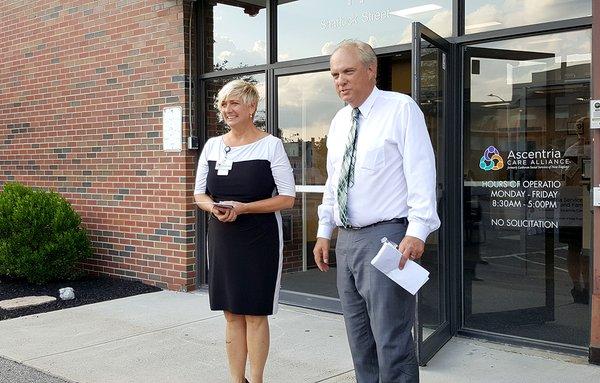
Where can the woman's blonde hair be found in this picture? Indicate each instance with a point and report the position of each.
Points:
(245, 91)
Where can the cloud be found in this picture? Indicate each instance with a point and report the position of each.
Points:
(485, 14)
(296, 89)
(307, 103)
(328, 48)
(224, 55)
(440, 23)
(260, 47)
(225, 48)
(372, 41)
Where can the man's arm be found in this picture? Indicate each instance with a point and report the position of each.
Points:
(420, 175)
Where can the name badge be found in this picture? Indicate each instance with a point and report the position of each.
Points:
(224, 167)
(226, 164)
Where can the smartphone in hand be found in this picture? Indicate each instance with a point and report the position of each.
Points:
(223, 205)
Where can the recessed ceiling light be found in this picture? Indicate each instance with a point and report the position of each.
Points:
(482, 25)
(548, 40)
(414, 10)
(530, 63)
(495, 104)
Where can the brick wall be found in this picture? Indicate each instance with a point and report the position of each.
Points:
(82, 88)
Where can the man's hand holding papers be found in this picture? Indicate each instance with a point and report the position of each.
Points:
(411, 277)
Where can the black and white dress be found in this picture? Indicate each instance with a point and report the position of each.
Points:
(245, 256)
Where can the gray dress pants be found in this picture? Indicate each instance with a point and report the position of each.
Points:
(378, 313)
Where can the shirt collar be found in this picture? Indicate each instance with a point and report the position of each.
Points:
(366, 106)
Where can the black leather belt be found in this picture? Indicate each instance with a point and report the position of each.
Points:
(402, 220)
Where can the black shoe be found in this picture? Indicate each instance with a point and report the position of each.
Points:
(246, 380)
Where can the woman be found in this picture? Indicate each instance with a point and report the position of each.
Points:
(248, 171)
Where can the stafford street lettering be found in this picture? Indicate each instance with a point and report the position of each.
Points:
(355, 19)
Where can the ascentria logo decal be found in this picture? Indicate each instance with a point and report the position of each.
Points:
(491, 160)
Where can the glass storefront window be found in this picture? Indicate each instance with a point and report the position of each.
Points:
(306, 105)
(527, 168)
(235, 34)
(308, 28)
(487, 15)
(214, 127)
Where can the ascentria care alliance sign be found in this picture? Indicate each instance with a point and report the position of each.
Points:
(542, 189)
(538, 159)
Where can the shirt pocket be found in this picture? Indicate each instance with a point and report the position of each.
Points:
(374, 159)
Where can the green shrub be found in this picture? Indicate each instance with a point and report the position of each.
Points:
(40, 235)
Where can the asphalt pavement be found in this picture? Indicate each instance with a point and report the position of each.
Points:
(13, 372)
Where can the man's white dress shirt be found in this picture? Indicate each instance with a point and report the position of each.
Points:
(394, 175)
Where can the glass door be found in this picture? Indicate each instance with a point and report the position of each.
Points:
(306, 103)
(527, 176)
(501, 106)
(430, 89)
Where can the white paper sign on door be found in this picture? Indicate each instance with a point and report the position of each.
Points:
(594, 114)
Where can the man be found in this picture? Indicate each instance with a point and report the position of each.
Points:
(381, 183)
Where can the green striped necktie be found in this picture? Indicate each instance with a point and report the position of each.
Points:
(347, 172)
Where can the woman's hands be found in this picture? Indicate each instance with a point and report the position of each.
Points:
(228, 214)
(225, 214)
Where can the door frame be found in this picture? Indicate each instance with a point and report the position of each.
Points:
(450, 204)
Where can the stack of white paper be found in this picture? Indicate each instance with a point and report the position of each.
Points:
(411, 278)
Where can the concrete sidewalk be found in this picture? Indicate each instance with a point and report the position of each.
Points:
(175, 338)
